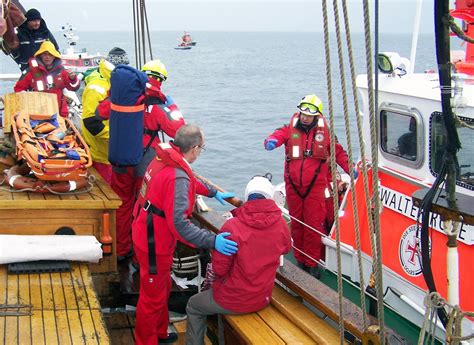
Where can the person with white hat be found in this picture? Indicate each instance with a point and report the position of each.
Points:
(262, 236)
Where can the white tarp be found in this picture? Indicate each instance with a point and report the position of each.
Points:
(23, 248)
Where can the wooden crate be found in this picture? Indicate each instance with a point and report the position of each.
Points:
(28, 102)
(28, 213)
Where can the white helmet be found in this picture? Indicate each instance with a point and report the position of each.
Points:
(260, 185)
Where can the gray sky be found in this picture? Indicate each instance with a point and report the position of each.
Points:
(223, 15)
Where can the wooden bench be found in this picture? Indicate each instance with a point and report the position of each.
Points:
(285, 321)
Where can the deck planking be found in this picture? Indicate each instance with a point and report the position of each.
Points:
(64, 308)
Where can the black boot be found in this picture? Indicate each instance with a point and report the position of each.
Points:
(315, 272)
(302, 266)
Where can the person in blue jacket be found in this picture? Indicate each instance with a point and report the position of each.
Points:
(31, 34)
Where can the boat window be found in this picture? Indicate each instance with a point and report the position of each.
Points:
(465, 155)
(399, 133)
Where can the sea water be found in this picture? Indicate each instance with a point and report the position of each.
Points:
(240, 86)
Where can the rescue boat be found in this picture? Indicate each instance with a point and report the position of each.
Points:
(81, 61)
(410, 105)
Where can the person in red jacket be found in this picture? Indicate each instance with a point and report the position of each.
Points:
(46, 73)
(161, 115)
(162, 213)
(307, 152)
(262, 236)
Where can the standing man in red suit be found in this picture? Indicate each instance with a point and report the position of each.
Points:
(162, 214)
(307, 152)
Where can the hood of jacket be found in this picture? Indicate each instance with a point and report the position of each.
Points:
(105, 69)
(258, 214)
(42, 28)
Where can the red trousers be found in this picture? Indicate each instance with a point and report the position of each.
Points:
(127, 185)
(105, 170)
(152, 310)
(311, 211)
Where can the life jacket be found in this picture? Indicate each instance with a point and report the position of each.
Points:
(167, 155)
(126, 116)
(297, 146)
(44, 80)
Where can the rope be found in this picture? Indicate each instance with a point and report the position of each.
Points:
(333, 169)
(349, 142)
(433, 301)
(375, 243)
(457, 30)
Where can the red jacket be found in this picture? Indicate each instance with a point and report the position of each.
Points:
(170, 187)
(158, 116)
(35, 79)
(245, 280)
(301, 171)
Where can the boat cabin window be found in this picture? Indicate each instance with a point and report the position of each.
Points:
(399, 133)
(465, 155)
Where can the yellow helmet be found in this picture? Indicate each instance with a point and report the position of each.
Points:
(155, 68)
(310, 105)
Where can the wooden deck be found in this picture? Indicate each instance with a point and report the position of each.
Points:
(64, 308)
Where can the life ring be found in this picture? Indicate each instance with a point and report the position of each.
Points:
(16, 179)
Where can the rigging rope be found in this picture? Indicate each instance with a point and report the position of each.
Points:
(349, 142)
(375, 203)
(141, 33)
(434, 302)
(333, 159)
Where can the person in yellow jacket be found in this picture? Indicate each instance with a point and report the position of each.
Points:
(95, 129)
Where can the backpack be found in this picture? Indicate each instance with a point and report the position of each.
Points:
(127, 87)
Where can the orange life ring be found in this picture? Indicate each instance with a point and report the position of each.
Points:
(16, 179)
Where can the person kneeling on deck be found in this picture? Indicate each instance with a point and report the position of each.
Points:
(162, 213)
(243, 282)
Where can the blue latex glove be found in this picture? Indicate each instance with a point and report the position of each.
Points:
(169, 100)
(225, 246)
(356, 174)
(220, 196)
(270, 144)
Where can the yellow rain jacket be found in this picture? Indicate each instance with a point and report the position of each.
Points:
(94, 130)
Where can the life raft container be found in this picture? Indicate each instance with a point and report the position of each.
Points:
(15, 177)
(51, 146)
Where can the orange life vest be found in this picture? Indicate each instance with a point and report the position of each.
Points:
(299, 148)
(44, 80)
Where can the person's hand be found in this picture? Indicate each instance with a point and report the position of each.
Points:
(225, 246)
(356, 174)
(169, 100)
(71, 74)
(220, 196)
(270, 144)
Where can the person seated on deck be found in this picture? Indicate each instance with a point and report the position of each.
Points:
(46, 73)
(95, 129)
(407, 142)
(257, 227)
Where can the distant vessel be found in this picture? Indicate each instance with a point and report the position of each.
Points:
(186, 42)
(77, 61)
